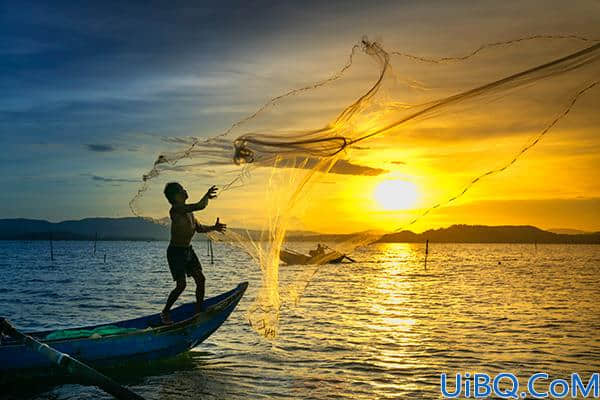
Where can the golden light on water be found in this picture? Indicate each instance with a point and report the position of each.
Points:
(395, 194)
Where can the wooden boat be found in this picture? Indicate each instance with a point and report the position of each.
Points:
(294, 258)
(148, 340)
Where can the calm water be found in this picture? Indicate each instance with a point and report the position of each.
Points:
(380, 328)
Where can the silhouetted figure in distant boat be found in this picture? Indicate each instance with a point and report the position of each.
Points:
(319, 251)
(180, 254)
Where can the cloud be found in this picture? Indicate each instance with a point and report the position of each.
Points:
(345, 167)
(212, 144)
(179, 140)
(342, 167)
(105, 179)
(100, 148)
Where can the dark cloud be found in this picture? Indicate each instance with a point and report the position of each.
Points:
(112, 180)
(179, 140)
(347, 168)
(342, 167)
(101, 148)
(212, 144)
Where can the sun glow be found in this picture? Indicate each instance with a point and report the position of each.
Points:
(396, 194)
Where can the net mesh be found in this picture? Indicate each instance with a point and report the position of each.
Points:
(273, 169)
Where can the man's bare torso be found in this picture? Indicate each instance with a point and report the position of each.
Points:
(183, 227)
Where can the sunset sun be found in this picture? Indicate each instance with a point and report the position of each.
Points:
(396, 194)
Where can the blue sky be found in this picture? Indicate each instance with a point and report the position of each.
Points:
(90, 88)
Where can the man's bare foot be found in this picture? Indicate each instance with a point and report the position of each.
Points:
(199, 308)
(166, 318)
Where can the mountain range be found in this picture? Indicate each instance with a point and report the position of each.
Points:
(133, 228)
(491, 234)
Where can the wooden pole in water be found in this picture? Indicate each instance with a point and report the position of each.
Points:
(51, 248)
(426, 251)
(71, 365)
(212, 258)
(95, 240)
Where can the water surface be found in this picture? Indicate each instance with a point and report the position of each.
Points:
(384, 327)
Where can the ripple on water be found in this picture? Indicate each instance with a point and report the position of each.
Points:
(379, 328)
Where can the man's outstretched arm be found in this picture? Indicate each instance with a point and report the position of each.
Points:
(218, 227)
(201, 205)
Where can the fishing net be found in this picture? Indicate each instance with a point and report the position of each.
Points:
(308, 159)
(108, 330)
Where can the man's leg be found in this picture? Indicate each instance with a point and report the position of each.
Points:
(200, 282)
(175, 293)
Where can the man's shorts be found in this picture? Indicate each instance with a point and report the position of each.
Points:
(182, 261)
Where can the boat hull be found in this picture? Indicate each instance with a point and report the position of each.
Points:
(149, 342)
(291, 258)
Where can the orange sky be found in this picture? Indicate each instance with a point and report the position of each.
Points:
(554, 185)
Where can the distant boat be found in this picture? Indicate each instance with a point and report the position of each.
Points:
(141, 339)
(291, 257)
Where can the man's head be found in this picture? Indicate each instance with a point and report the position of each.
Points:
(175, 193)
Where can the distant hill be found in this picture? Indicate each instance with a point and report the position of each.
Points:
(140, 229)
(85, 229)
(131, 228)
(490, 234)
(567, 231)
